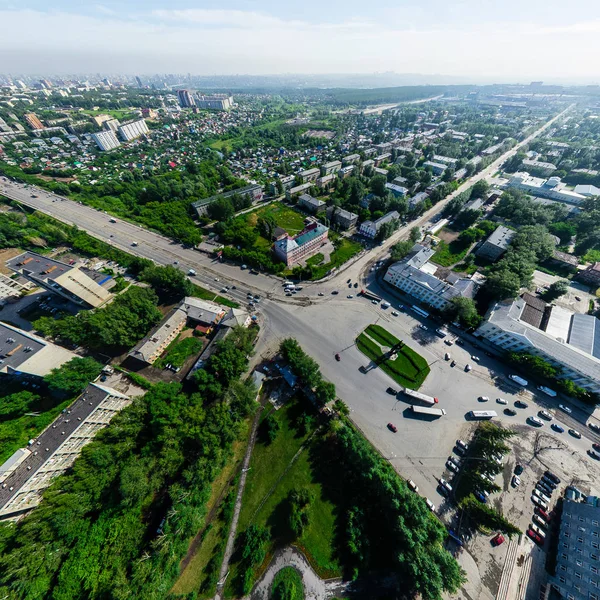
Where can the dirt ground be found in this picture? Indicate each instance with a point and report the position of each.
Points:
(5, 255)
(447, 235)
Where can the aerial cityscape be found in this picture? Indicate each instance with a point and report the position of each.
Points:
(331, 333)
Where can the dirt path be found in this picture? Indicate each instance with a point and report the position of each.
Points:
(238, 506)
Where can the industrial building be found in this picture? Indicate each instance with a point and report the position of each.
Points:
(24, 354)
(81, 286)
(427, 282)
(551, 188)
(29, 471)
(570, 341)
(254, 191)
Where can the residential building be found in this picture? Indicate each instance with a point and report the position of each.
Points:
(351, 159)
(149, 113)
(427, 282)
(331, 167)
(380, 171)
(496, 244)
(437, 168)
(567, 340)
(551, 188)
(327, 181)
(562, 259)
(99, 119)
(294, 192)
(29, 471)
(214, 101)
(33, 121)
(309, 175)
(545, 168)
(344, 218)
(446, 160)
(25, 354)
(292, 250)
(133, 129)
(459, 174)
(590, 275)
(185, 98)
(287, 181)
(112, 125)
(417, 199)
(311, 204)
(106, 140)
(366, 164)
(397, 190)
(254, 191)
(400, 181)
(81, 286)
(378, 160)
(474, 204)
(587, 190)
(370, 228)
(577, 571)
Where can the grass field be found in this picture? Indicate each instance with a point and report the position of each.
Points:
(447, 255)
(200, 292)
(409, 369)
(120, 114)
(179, 351)
(271, 479)
(289, 219)
(345, 251)
(290, 580)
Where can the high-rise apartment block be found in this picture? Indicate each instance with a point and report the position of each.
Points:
(33, 121)
(132, 130)
(186, 100)
(106, 140)
(215, 101)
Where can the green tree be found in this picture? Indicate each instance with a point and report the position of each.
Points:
(71, 378)
(168, 281)
(415, 234)
(463, 310)
(271, 428)
(556, 289)
(221, 209)
(377, 185)
(299, 513)
(503, 284)
(325, 392)
(401, 250)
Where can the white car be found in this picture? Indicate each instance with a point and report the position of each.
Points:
(475, 358)
(501, 401)
(565, 409)
(516, 481)
(394, 313)
(430, 504)
(545, 415)
(413, 486)
(483, 399)
(535, 421)
(451, 466)
(541, 495)
(349, 296)
(539, 502)
(373, 301)
(445, 485)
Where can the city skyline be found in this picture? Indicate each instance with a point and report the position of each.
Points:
(464, 40)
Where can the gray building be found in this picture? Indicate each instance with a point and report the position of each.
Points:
(311, 204)
(496, 244)
(578, 553)
(344, 218)
(255, 192)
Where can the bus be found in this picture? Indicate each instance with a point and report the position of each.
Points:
(420, 311)
(429, 400)
(483, 414)
(425, 410)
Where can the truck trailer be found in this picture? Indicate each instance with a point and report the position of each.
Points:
(425, 410)
(429, 400)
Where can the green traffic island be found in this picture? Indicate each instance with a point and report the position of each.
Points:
(393, 356)
(287, 585)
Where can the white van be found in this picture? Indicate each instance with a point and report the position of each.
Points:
(191, 272)
(518, 380)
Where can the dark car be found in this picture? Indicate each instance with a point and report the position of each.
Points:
(521, 404)
(335, 292)
(552, 477)
(596, 447)
(548, 482)
(459, 342)
(392, 391)
(557, 427)
(518, 469)
(392, 427)
(511, 412)
(338, 357)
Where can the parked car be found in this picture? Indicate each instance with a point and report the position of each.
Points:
(565, 409)
(521, 404)
(451, 466)
(542, 513)
(430, 504)
(483, 399)
(557, 428)
(540, 485)
(497, 539)
(412, 485)
(459, 342)
(516, 481)
(501, 401)
(594, 427)
(575, 433)
(541, 495)
(447, 356)
(468, 368)
(392, 391)
(445, 486)
(596, 447)
(338, 357)
(545, 415)
(475, 358)
(549, 482)
(453, 363)
(392, 427)
(535, 421)
(535, 537)
(539, 502)
(511, 412)
(449, 342)
(462, 445)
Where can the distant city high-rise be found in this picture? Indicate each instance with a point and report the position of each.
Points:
(186, 100)
(215, 101)
(33, 121)
(139, 81)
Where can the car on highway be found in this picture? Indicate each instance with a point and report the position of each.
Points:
(516, 481)
(392, 391)
(468, 368)
(565, 409)
(483, 399)
(373, 301)
(556, 427)
(521, 404)
(349, 280)
(535, 421)
(191, 272)
(545, 415)
(444, 485)
(453, 363)
(320, 294)
(392, 427)
(449, 342)
(430, 504)
(538, 539)
(423, 327)
(338, 357)
(413, 486)
(459, 342)
(575, 433)
(594, 427)
(501, 401)
(335, 293)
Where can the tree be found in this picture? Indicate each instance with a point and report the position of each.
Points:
(415, 234)
(221, 209)
(462, 310)
(299, 503)
(503, 284)
(378, 186)
(270, 428)
(556, 289)
(534, 238)
(386, 230)
(71, 378)
(564, 231)
(479, 189)
(466, 218)
(325, 392)
(401, 249)
(168, 281)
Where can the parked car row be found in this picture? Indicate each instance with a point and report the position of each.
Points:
(541, 497)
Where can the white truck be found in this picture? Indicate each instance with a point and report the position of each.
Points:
(518, 380)
(429, 400)
(547, 391)
(426, 410)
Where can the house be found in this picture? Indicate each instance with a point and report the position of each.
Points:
(591, 275)
(311, 204)
(254, 192)
(81, 286)
(564, 339)
(344, 218)
(425, 281)
(496, 244)
(370, 228)
(292, 250)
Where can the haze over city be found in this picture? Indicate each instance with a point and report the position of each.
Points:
(474, 41)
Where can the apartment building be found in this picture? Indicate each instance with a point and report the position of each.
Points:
(133, 129)
(185, 99)
(33, 121)
(311, 204)
(254, 191)
(214, 101)
(344, 219)
(106, 140)
(331, 167)
(436, 167)
(370, 228)
(309, 175)
(496, 244)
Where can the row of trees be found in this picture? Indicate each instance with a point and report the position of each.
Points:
(99, 523)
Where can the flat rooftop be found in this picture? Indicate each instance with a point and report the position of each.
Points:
(39, 266)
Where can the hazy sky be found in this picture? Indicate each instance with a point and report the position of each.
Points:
(491, 39)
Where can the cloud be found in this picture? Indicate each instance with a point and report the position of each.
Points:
(104, 9)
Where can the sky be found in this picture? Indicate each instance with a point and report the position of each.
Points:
(482, 40)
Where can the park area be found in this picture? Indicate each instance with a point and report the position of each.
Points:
(409, 368)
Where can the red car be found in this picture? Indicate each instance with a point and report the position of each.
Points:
(392, 427)
(535, 537)
(497, 539)
(596, 447)
(542, 513)
(338, 357)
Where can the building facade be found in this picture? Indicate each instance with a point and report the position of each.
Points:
(185, 98)
(370, 228)
(254, 191)
(309, 175)
(33, 121)
(292, 250)
(132, 130)
(106, 140)
(496, 244)
(311, 204)
(331, 167)
(214, 101)
(344, 219)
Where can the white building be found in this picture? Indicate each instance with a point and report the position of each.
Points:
(370, 228)
(551, 188)
(106, 140)
(565, 339)
(416, 276)
(132, 130)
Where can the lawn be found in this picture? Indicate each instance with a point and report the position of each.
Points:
(447, 255)
(409, 369)
(120, 114)
(268, 486)
(315, 260)
(343, 253)
(290, 580)
(287, 218)
(179, 351)
(204, 294)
